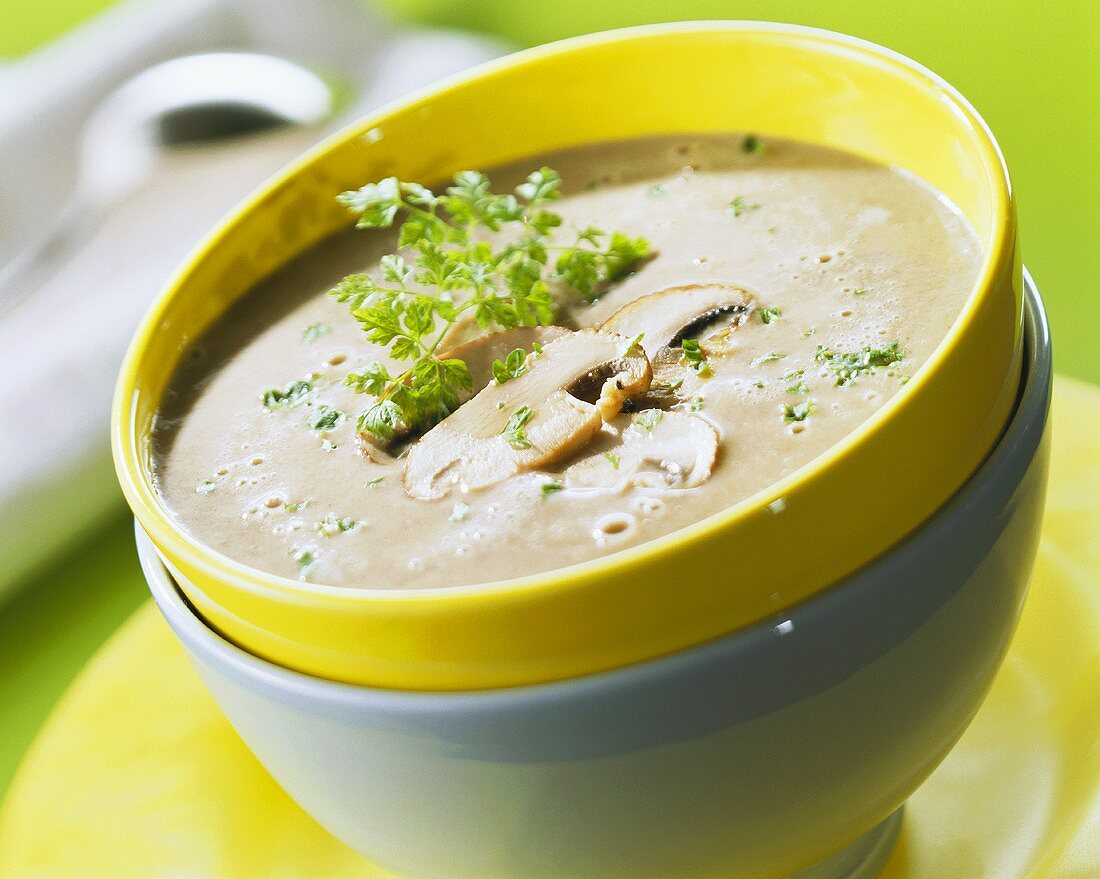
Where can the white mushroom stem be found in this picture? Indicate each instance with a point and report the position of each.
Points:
(578, 382)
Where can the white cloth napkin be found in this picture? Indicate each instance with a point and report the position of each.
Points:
(60, 350)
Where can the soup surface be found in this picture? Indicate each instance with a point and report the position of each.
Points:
(808, 283)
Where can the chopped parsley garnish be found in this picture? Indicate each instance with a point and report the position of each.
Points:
(768, 315)
(296, 506)
(739, 206)
(848, 365)
(859, 291)
(515, 431)
(325, 418)
(329, 446)
(332, 525)
(697, 404)
(649, 419)
(204, 487)
(459, 512)
(795, 384)
(810, 332)
(305, 559)
(502, 284)
(377, 481)
(667, 387)
(770, 357)
(771, 230)
(513, 366)
(314, 332)
(752, 145)
(633, 345)
(613, 458)
(551, 486)
(291, 395)
(695, 357)
(798, 412)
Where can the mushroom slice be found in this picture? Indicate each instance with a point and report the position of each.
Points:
(655, 450)
(479, 354)
(579, 381)
(673, 314)
(708, 312)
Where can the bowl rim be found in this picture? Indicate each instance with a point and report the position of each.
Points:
(1014, 452)
(141, 493)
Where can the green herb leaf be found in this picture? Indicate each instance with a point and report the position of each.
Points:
(649, 419)
(551, 486)
(694, 356)
(332, 525)
(795, 384)
(291, 395)
(297, 505)
(515, 431)
(325, 418)
(771, 357)
(613, 458)
(204, 487)
(377, 481)
(739, 206)
(846, 366)
(798, 412)
(752, 145)
(770, 315)
(513, 366)
(314, 332)
(305, 559)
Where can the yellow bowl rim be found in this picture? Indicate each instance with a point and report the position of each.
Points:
(161, 527)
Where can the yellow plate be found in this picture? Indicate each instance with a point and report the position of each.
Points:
(138, 775)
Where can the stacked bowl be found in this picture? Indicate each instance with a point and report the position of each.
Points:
(691, 707)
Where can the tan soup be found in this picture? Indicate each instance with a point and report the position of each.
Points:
(836, 253)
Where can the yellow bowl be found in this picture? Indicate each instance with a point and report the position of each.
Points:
(702, 581)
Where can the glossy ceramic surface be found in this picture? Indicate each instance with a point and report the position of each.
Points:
(775, 80)
(750, 757)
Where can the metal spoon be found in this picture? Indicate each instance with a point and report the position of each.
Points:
(188, 101)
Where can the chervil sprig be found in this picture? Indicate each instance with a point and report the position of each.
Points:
(453, 264)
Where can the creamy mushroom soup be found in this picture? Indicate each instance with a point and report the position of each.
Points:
(785, 292)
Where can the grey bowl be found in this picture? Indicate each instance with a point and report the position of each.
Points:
(783, 749)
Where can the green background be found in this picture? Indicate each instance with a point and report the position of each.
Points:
(1032, 69)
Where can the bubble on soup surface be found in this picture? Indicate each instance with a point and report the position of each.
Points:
(613, 525)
